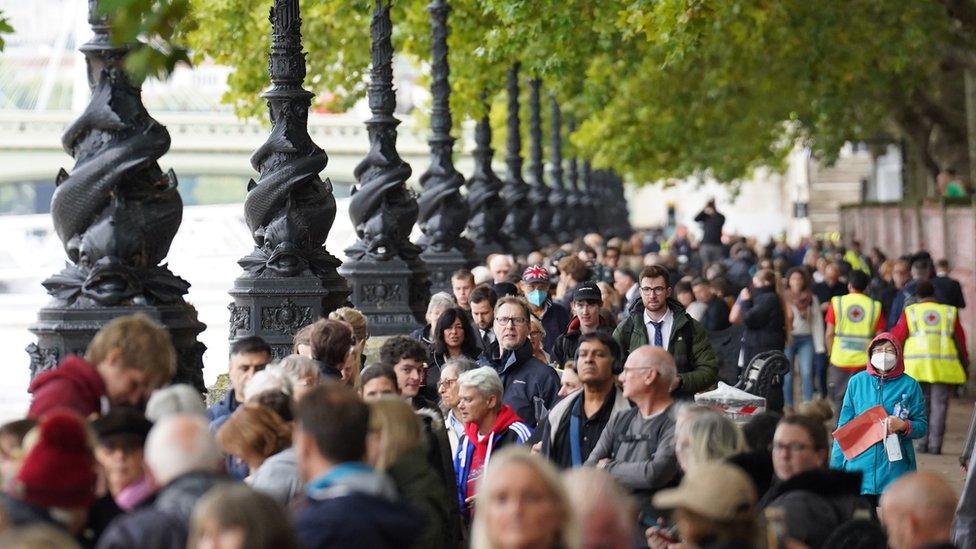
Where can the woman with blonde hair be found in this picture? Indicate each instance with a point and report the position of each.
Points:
(702, 434)
(356, 357)
(234, 516)
(394, 446)
(260, 438)
(521, 503)
(537, 335)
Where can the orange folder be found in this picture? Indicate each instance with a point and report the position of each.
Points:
(862, 432)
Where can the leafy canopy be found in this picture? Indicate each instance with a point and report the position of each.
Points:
(661, 88)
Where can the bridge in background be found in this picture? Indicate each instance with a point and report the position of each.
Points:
(43, 88)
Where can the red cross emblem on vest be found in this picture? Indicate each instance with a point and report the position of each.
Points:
(855, 313)
(931, 318)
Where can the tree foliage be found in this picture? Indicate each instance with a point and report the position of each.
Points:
(5, 28)
(661, 88)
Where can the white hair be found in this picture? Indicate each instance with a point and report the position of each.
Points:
(481, 275)
(495, 258)
(175, 399)
(273, 378)
(299, 366)
(181, 444)
(485, 380)
(440, 300)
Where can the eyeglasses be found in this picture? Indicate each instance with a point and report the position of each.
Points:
(511, 320)
(655, 290)
(445, 383)
(792, 447)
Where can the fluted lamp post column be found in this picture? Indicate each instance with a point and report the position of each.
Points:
(388, 278)
(289, 279)
(484, 194)
(443, 211)
(558, 194)
(574, 199)
(116, 213)
(588, 223)
(515, 193)
(539, 191)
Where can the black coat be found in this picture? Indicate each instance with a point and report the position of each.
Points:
(765, 324)
(716, 317)
(816, 502)
(529, 384)
(166, 523)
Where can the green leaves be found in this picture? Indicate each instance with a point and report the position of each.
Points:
(661, 88)
(5, 28)
(152, 27)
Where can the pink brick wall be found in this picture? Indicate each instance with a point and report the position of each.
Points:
(945, 231)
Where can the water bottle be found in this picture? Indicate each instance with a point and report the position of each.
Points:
(901, 408)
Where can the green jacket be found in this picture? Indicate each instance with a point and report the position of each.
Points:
(418, 484)
(701, 373)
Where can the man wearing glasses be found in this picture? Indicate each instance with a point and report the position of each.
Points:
(665, 324)
(531, 387)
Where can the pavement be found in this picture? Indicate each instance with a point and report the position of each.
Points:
(957, 426)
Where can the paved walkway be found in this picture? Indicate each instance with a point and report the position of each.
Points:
(957, 424)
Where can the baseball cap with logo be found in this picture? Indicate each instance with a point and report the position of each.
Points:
(717, 490)
(588, 291)
(535, 273)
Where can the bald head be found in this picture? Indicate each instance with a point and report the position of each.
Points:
(918, 509)
(656, 359)
(181, 444)
(499, 265)
(648, 374)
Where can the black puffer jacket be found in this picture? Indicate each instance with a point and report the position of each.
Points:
(765, 324)
(530, 385)
(815, 503)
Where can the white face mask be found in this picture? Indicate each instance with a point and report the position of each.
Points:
(883, 361)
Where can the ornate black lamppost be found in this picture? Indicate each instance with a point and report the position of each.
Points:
(289, 280)
(117, 214)
(601, 202)
(588, 202)
(443, 211)
(621, 213)
(484, 198)
(574, 199)
(388, 278)
(539, 192)
(518, 216)
(558, 194)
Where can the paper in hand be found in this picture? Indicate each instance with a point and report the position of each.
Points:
(862, 432)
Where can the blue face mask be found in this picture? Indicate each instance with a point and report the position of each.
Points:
(536, 297)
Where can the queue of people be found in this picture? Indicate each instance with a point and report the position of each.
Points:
(545, 403)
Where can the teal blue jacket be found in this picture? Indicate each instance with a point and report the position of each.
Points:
(865, 390)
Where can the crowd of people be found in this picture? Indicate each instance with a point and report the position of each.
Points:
(548, 401)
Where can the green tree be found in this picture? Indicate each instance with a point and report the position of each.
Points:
(661, 88)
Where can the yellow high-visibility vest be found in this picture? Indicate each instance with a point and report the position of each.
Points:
(930, 350)
(855, 317)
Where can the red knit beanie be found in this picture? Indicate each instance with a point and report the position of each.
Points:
(59, 471)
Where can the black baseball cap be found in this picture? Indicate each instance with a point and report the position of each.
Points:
(588, 291)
